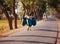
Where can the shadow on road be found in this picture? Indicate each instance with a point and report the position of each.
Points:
(50, 19)
(25, 41)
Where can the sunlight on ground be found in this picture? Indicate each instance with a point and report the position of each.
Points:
(4, 27)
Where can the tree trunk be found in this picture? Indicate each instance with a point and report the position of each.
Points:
(15, 15)
(7, 15)
(10, 24)
(16, 22)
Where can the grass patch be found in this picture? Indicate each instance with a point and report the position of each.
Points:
(4, 26)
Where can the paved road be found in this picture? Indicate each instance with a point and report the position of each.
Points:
(45, 32)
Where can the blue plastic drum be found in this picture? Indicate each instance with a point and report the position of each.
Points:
(24, 21)
(29, 22)
(33, 21)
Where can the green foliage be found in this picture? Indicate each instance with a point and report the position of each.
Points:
(25, 1)
(9, 4)
(35, 4)
(2, 1)
(52, 3)
(6, 3)
(43, 6)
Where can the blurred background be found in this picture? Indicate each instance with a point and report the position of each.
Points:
(12, 11)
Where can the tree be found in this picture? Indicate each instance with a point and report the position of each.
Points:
(37, 6)
(11, 4)
(0, 14)
(41, 8)
(4, 9)
(53, 3)
(15, 15)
